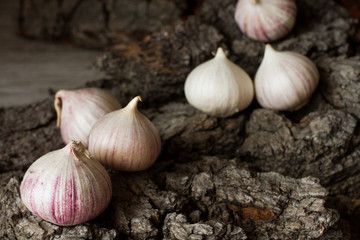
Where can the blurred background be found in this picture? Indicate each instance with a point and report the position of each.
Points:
(35, 62)
(29, 67)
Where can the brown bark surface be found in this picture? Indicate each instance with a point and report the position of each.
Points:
(260, 174)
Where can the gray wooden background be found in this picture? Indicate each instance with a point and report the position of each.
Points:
(29, 68)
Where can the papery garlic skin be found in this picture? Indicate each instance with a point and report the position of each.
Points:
(219, 87)
(125, 139)
(265, 20)
(66, 186)
(285, 80)
(78, 110)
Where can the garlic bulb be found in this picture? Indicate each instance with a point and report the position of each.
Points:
(265, 20)
(125, 139)
(285, 80)
(66, 186)
(219, 87)
(78, 110)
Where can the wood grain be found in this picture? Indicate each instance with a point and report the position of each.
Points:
(29, 68)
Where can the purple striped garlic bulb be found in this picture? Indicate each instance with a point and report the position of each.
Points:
(285, 80)
(78, 110)
(265, 20)
(66, 186)
(125, 139)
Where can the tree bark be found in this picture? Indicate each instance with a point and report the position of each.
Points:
(260, 174)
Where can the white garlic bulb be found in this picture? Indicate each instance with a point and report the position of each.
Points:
(265, 20)
(66, 186)
(125, 139)
(78, 110)
(285, 80)
(219, 87)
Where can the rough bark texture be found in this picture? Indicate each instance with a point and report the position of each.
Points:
(209, 198)
(260, 174)
(96, 23)
(162, 61)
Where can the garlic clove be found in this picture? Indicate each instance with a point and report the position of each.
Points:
(66, 186)
(78, 110)
(285, 80)
(219, 87)
(265, 20)
(125, 139)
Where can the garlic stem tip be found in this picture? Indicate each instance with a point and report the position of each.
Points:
(220, 53)
(254, 1)
(268, 47)
(78, 147)
(77, 144)
(134, 102)
(58, 106)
